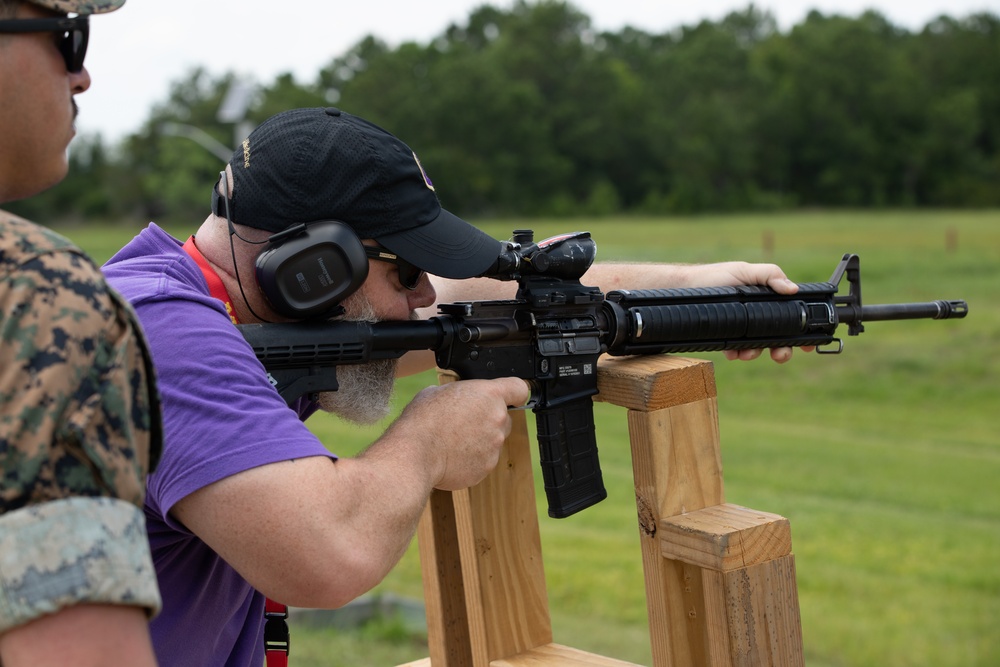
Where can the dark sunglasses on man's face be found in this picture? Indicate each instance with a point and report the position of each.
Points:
(71, 35)
(409, 275)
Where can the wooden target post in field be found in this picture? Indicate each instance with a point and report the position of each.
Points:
(719, 578)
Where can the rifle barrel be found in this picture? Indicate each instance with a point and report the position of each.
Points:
(935, 310)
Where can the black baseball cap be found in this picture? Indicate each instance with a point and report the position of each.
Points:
(308, 165)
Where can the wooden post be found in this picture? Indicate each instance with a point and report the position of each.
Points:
(720, 579)
(677, 466)
(481, 555)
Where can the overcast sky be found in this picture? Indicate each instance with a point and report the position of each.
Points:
(137, 51)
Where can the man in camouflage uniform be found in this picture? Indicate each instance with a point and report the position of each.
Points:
(79, 414)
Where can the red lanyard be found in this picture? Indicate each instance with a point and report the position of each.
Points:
(215, 286)
(276, 639)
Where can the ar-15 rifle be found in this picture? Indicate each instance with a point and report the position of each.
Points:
(553, 332)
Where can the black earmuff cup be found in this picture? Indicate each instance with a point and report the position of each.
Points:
(307, 275)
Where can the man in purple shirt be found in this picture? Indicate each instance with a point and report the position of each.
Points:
(246, 502)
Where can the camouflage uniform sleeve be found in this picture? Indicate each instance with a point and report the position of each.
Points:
(79, 430)
(65, 552)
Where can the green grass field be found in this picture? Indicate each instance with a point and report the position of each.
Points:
(886, 458)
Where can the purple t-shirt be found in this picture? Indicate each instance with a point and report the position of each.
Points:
(216, 396)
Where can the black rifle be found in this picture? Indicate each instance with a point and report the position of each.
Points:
(553, 332)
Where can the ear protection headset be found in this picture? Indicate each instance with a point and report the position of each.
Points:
(307, 270)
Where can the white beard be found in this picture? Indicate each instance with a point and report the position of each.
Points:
(365, 391)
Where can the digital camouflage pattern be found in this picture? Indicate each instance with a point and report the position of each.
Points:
(80, 6)
(79, 412)
(64, 552)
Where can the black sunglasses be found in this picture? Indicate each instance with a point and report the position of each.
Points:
(72, 43)
(409, 275)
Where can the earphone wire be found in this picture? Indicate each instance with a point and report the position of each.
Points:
(232, 246)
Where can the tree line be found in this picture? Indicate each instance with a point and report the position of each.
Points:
(531, 111)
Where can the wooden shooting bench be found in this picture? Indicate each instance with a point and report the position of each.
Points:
(720, 579)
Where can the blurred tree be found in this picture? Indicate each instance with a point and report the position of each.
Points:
(708, 106)
(956, 158)
(172, 175)
(846, 109)
(528, 110)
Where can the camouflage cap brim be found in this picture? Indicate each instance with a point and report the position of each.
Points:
(80, 6)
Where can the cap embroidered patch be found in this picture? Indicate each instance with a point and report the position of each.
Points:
(427, 179)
